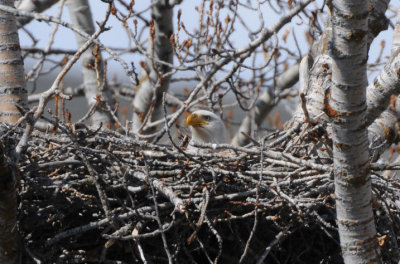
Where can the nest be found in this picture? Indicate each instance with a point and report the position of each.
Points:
(92, 196)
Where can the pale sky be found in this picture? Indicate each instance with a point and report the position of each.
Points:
(116, 37)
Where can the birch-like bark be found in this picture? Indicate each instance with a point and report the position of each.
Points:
(380, 90)
(384, 132)
(318, 82)
(93, 82)
(33, 6)
(152, 85)
(348, 50)
(264, 105)
(383, 101)
(387, 82)
(12, 93)
(396, 35)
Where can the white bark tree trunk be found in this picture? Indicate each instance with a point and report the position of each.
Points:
(33, 6)
(348, 50)
(382, 102)
(94, 84)
(152, 85)
(318, 81)
(380, 90)
(396, 35)
(264, 105)
(12, 92)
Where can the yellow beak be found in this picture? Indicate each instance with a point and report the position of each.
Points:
(195, 120)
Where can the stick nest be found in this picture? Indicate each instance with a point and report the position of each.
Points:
(89, 196)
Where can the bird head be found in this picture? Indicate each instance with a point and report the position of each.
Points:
(206, 127)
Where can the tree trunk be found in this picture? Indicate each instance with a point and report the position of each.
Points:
(153, 85)
(12, 92)
(348, 50)
(318, 80)
(93, 82)
(33, 6)
(265, 103)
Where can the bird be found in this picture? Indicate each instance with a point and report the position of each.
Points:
(206, 127)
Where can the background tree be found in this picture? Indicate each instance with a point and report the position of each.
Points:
(94, 81)
(154, 77)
